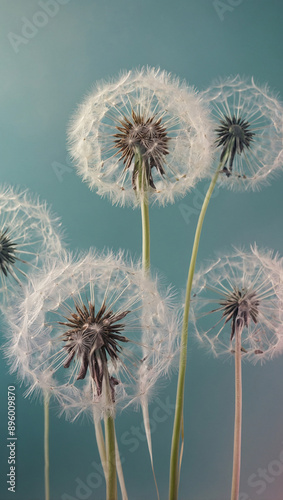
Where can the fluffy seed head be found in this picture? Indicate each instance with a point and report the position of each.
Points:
(88, 328)
(248, 132)
(28, 233)
(150, 111)
(246, 285)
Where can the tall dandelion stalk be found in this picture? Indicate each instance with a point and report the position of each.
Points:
(249, 134)
(46, 445)
(175, 463)
(239, 325)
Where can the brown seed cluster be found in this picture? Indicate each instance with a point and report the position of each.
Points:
(149, 137)
(93, 339)
(234, 135)
(240, 302)
(7, 252)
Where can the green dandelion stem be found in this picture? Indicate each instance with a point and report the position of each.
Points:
(238, 412)
(145, 236)
(111, 482)
(103, 457)
(175, 445)
(120, 472)
(46, 445)
(110, 442)
(142, 167)
(100, 444)
(142, 188)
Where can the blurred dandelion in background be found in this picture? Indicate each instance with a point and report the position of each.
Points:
(149, 113)
(248, 131)
(237, 309)
(241, 284)
(28, 232)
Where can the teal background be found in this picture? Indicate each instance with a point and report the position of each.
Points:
(40, 87)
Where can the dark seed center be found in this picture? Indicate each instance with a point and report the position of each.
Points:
(93, 339)
(237, 131)
(147, 136)
(233, 135)
(7, 252)
(240, 302)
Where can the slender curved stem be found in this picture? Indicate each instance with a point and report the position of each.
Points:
(100, 444)
(174, 463)
(120, 472)
(238, 412)
(103, 458)
(46, 445)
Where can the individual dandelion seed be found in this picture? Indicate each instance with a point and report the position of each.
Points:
(248, 131)
(245, 290)
(145, 113)
(77, 324)
(246, 285)
(28, 232)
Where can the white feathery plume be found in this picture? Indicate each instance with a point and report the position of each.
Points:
(150, 110)
(28, 233)
(238, 310)
(249, 126)
(78, 321)
(249, 283)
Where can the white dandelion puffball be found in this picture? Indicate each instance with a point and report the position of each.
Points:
(241, 284)
(248, 132)
(28, 232)
(86, 329)
(151, 111)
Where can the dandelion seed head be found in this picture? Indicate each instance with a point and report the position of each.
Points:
(248, 132)
(81, 323)
(151, 111)
(28, 233)
(246, 285)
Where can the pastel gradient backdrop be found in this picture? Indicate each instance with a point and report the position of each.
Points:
(41, 83)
